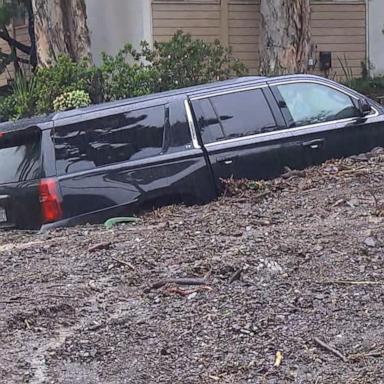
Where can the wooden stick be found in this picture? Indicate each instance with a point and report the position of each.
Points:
(236, 275)
(182, 281)
(351, 282)
(330, 349)
(129, 265)
(97, 247)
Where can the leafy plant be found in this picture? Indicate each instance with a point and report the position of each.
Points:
(124, 75)
(178, 63)
(65, 76)
(21, 102)
(184, 61)
(71, 100)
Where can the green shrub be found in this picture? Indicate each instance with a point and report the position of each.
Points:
(71, 100)
(178, 63)
(8, 108)
(124, 75)
(184, 61)
(21, 103)
(65, 76)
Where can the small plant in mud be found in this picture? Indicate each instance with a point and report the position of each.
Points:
(232, 187)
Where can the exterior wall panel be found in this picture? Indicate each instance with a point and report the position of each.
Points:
(339, 27)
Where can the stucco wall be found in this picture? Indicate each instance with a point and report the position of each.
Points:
(116, 22)
(376, 35)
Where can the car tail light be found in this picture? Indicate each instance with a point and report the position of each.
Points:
(50, 200)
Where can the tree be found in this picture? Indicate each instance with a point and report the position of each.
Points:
(285, 37)
(19, 52)
(61, 28)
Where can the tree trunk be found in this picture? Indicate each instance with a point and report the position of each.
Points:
(61, 28)
(285, 36)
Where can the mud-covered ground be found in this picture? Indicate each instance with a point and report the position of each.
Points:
(308, 252)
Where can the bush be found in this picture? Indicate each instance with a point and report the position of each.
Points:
(65, 76)
(178, 63)
(21, 103)
(371, 87)
(71, 100)
(124, 75)
(183, 61)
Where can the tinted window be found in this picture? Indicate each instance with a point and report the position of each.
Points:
(235, 115)
(208, 122)
(310, 103)
(132, 135)
(179, 137)
(20, 157)
(243, 113)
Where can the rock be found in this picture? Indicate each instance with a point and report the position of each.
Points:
(370, 242)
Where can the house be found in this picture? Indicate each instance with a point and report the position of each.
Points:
(349, 32)
(338, 27)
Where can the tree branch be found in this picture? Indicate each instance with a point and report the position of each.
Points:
(12, 42)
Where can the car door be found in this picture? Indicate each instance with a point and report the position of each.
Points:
(325, 121)
(243, 133)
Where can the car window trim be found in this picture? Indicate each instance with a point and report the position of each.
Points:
(107, 113)
(191, 123)
(292, 81)
(229, 91)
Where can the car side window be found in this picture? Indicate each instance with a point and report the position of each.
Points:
(311, 103)
(179, 135)
(208, 122)
(235, 115)
(132, 135)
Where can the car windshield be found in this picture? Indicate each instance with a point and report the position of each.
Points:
(20, 158)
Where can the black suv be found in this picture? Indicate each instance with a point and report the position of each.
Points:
(112, 159)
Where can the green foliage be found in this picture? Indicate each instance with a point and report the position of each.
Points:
(66, 76)
(71, 100)
(371, 87)
(183, 61)
(125, 76)
(21, 102)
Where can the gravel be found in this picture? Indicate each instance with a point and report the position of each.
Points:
(288, 288)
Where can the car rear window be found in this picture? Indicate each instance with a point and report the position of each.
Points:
(132, 135)
(20, 156)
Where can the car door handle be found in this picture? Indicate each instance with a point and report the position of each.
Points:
(313, 144)
(226, 159)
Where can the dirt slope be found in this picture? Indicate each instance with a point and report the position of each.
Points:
(310, 251)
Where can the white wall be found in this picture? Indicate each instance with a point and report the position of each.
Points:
(113, 23)
(375, 22)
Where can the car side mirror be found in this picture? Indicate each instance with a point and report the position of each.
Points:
(364, 107)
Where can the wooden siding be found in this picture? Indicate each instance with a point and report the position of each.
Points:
(341, 29)
(21, 34)
(336, 27)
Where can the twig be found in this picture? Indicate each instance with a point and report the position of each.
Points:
(293, 173)
(351, 282)
(330, 349)
(129, 265)
(374, 199)
(182, 281)
(97, 247)
(358, 356)
(236, 275)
